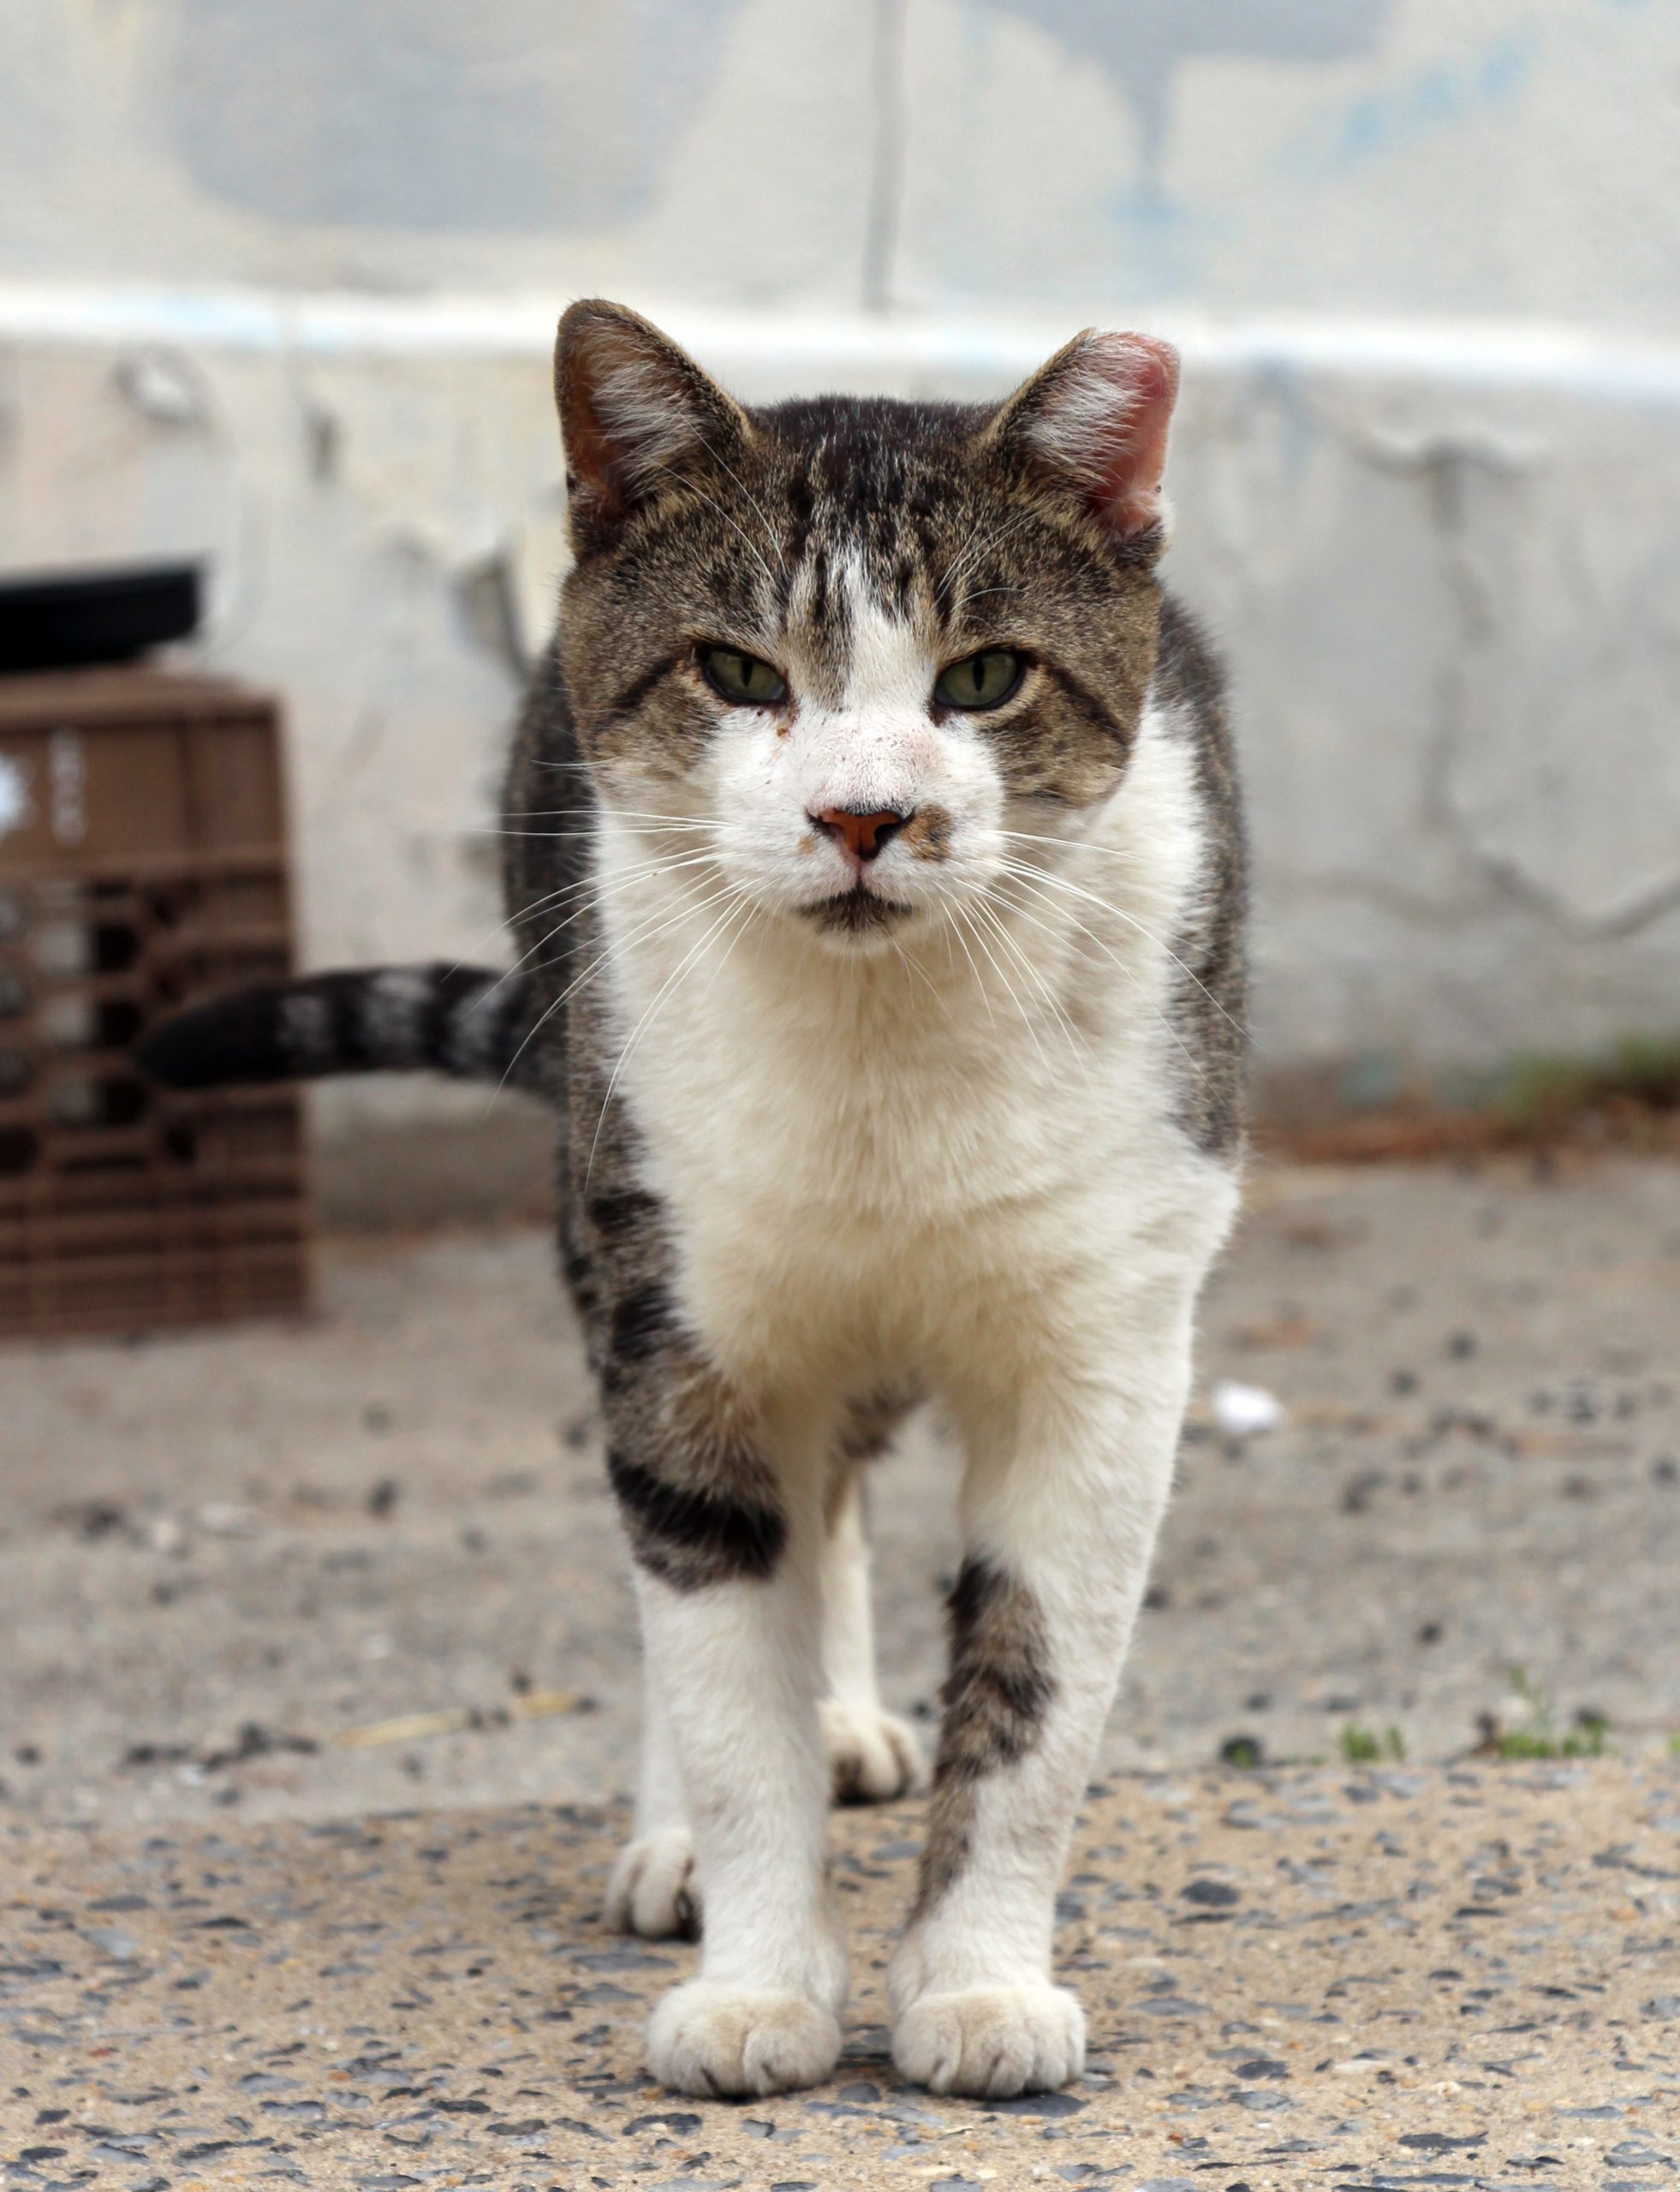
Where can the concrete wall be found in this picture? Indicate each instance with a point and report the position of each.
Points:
(1488, 158)
(276, 285)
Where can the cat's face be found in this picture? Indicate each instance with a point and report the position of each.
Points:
(859, 654)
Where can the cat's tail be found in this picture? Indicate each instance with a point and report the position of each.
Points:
(463, 1020)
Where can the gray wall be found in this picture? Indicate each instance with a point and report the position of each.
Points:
(277, 283)
(1483, 157)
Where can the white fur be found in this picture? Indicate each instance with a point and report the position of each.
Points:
(912, 1161)
(645, 419)
(992, 2040)
(653, 1891)
(1086, 427)
(1096, 425)
(869, 1753)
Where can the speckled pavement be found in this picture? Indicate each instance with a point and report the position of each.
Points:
(262, 1590)
(1451, 1977)
(226, 1557)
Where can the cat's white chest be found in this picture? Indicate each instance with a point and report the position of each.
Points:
(851, 1116)
(868, 1180)
(872, 1146)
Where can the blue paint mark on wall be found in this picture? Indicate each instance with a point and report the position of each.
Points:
(1162, 243)
(428, 114)
(1143, 43)
(1382, 123)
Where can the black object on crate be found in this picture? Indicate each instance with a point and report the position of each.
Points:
(63, 620)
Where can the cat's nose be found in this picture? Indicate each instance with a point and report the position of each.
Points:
(863, 836)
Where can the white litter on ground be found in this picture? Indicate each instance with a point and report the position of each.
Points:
(1244, 1410)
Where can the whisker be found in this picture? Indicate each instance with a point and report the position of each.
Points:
(1025, 878)
(769, 531)
(1022, 881)
(1000, 929)
(645, 933)
(1064, 883)
(693, 828)
(660, 864)
(599, 891)
(968, 539)
(1034, 975)
(617, 814)
(972, 554)
(568, 890)
(751, 910)
(737, 897)
(1026, 1018)
(956, 929)
(711, 501)
(921, 974)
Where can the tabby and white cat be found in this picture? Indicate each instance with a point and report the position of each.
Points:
(875, 861)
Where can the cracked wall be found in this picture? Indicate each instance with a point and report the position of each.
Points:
(275, 288)
(1449, 601)
(1452, 604)
(1491, 157)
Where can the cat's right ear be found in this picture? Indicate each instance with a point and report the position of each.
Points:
(1095, 420)
(636, 413)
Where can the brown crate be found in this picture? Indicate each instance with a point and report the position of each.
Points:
(143, 866)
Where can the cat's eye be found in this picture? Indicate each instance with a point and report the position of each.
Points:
(984, 680)
(742, 678)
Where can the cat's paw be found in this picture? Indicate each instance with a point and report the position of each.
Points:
(991, 2040)
(713, 2040)
(653, 1891)
(872, 1756)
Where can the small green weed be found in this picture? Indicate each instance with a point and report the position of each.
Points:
(1539, 1737)
(1365, 1747)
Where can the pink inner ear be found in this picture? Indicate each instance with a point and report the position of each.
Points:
(590, 452)
(1141, 376)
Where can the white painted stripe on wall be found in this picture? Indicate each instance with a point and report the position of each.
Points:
(884, 350)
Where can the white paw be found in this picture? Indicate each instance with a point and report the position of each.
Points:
(653, 1892)
(993, 2040)
(714, 2040)
(872, 1756)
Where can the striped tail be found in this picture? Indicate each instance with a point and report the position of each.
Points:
(464, 1021)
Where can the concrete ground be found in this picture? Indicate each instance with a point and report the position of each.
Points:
(233, 1565)
(1297, 1979)
(259, 1586)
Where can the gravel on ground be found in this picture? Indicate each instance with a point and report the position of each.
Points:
(318, 1709)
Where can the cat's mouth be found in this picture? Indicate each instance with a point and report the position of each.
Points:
(857, 912)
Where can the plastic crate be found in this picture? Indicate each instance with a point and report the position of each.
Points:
(143, 866)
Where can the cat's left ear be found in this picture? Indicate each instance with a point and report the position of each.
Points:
(1094, 421)
(636, 413)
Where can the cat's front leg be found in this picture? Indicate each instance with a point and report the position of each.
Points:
(872, 1755)
(653, 1891)
(724, 1519)
(1067, 1481)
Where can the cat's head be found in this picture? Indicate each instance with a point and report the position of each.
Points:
(849, 644)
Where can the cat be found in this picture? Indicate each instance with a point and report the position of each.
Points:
(874, 856)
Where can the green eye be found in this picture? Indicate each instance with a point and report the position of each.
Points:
(980, 681)
(742, 678)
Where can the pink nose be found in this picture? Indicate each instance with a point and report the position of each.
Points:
(862, 835)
